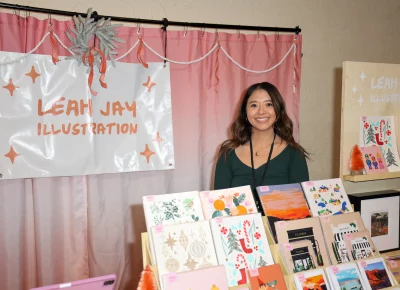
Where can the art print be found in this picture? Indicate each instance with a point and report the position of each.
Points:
(380, 131)
(312, 280)
(379, 223)
(375, 273)
(283, 203)
(327, 197)
(241, 244)
(228, 202)
(183, 247)
(374, 162)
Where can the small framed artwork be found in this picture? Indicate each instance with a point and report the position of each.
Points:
(381, 216)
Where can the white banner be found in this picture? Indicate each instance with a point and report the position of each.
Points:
(51, 125)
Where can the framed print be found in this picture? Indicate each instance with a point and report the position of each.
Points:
(380, 214)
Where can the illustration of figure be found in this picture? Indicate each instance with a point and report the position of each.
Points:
(368, 161)
(374, 162)
(381, 165)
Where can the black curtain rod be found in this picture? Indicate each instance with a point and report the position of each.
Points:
(165, 22)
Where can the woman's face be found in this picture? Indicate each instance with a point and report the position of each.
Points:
(260, 111)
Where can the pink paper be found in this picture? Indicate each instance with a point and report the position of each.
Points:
(254, 272)
(363, 264)
(288, 247)
(393, 264)
(310, 183)
(335, 270)
(281, 224)
(150, 197)
(202, 279)
(326, 219)
(301, 278)
(264, 188)
(348, 236)
(159, 229)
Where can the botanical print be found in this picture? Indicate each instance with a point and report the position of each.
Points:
(183, 247)
(376, 273)
(228, 202)
(172, 208)
(241, 244)
(379, 223)
(380, 131)
(301, 257)
(373, 160)
(327, 197)
(282, 203)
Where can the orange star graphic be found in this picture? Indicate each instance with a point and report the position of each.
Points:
(158, 139)
(33, 74)
(149, 84)
(12, 154)
(147, 153)
(10, 87)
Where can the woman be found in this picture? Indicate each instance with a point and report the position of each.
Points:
(262, 150)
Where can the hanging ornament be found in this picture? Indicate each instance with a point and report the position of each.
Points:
(203, 234)
(198, 249)
(86, 32)
(172, 265)
(183, 240)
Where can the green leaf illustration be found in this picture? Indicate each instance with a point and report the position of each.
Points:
(228, 211)
(236, 201)
(242, 197)
(216, 213)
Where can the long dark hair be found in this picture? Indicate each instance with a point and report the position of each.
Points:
(241, 128)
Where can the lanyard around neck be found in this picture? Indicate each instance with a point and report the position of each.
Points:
(266, 165)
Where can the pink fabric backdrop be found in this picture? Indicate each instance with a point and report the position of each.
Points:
(55, 230)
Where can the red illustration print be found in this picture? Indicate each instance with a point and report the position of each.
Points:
(239, 232)
(366, 125)
(388, 132)
(224, 230)
(256, 248)
(236, 194)
(257, 235)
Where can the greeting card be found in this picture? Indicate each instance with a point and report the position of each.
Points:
(380, 131)
(345, 276)
(336, 229)
(304, 230)
(298, 256)
(212, 278)
(282, 203)
(241, 244)
(375, 273)
(312, 280)
(183, 247)
(374, 162)
(228, 202)
(326, 197)
(360, 246)
(267, 277)
(169, 209)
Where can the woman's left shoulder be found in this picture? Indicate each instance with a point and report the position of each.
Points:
(295, 151)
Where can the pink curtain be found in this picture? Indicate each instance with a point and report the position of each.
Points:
(55, 230)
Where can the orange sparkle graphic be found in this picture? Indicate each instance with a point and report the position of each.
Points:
(12, 154)
(149, 84)
(11, 87)
(158, 139)
(147, 153)
(33, 74)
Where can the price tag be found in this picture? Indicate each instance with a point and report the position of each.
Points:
(288, 247)
(280, 224)
(310, 183)
(159, 229)
(326, 219)
(301, 278)
(254, 272)
(218, 219)
(171, 277)
(206, 193)
(150, 197)
(335, 270)
(393, 264)
(264, 188)
(363, 264)
(348, 237)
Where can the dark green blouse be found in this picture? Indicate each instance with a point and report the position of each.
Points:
(289, 166)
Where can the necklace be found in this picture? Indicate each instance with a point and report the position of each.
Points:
(261, 150)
